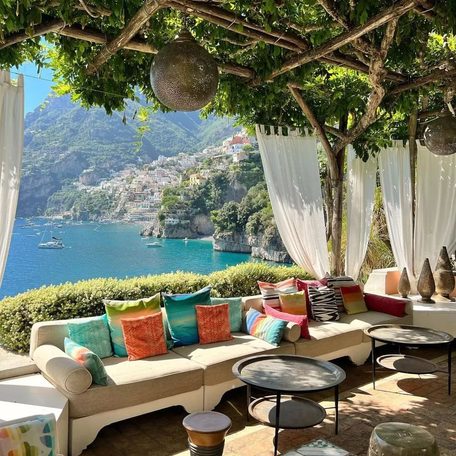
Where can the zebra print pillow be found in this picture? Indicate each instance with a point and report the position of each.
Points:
(323, 304)
(336, 283)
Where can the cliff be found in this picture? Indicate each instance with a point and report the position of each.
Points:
(197, 226)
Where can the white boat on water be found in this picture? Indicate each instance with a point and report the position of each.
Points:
(153, 244)
(54, 244)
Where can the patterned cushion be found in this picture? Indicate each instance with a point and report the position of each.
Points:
(180, 310)
(116, 310)
(303, 285)
(213, 323)
(92, 334)
(301, 320)
(235, 305)
(336, 283)
(31, 436)
(88, 359)
(144, 336)
(294, 303)
(323, 304)
(264, 327)
(353, 300)
(271, 291)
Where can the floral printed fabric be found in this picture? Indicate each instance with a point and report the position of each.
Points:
(213, 323)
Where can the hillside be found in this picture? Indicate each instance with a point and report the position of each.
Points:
(62, 139)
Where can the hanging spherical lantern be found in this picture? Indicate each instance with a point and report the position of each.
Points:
(440, 135)
(184, 76)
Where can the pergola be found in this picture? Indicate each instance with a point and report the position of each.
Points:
(304, 38)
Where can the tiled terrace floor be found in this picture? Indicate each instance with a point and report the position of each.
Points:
(418, 400)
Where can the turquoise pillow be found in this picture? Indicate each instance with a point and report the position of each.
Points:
(235, 306)
(180, 310)
(265, 327)
(88, 359)
(93, 334)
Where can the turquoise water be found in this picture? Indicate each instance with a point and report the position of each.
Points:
(108, 250)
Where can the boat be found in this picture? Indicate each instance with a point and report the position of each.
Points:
(54, 244)
(186, 240)
(153, 244)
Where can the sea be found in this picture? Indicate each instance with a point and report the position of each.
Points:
(100, 250)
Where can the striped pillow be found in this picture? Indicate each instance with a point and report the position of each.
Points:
(353, 300)
(264, 327)
(294, 303)
(270, 292)
(323, 304)
(335, 283)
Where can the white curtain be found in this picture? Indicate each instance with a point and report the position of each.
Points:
(435, 216)
(395, 178)
(293, 179)
(361, 183)
(11, 146)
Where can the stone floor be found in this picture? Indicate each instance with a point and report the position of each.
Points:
(13, 364)
(418, 400)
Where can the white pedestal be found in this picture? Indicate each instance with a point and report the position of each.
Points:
(441, 315)
(34, 395)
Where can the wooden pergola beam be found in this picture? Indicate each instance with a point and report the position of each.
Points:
(149, 8)
(337, 42)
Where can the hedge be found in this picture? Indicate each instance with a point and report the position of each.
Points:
(85, 298)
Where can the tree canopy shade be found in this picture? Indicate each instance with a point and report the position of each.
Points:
(357, 71)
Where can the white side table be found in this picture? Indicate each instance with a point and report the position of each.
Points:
(440, 316)
(34, 395)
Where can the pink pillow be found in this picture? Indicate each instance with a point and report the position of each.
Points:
(385, 304)
(213, 323)
(301, 320)
(303, 285)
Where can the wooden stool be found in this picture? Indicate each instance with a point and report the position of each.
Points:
(401, 439)
(206, 433)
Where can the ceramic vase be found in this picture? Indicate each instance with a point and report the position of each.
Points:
(444, 277)
(426, 284)
(404, 284)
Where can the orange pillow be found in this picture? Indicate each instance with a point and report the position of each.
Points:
(294, 303)
(144, 336)
(213, 323)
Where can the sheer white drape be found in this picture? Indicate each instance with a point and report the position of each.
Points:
(11, 146)
(395, 178)
(435, 215)
(292, 175)
(361, 183)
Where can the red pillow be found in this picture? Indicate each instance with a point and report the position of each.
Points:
(301, 320)
(303, 285)
(213, 323)
(144, 336)
(385, 304)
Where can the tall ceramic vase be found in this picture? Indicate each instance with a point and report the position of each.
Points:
(404, 284)
(444, 277)
(426, 284)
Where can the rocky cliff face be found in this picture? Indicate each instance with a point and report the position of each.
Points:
(231, 243)
(198, 226)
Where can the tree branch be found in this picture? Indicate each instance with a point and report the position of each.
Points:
(434, 76)
(334, 131)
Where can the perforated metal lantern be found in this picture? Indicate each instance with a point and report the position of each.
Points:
(440, 135)
(183, 75)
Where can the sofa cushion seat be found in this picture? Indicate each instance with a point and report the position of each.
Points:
(218, 359)
(136, 382)
(328, 337)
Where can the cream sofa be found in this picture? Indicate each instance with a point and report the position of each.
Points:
(195, 376)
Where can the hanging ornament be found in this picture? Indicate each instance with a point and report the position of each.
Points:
(184, 76)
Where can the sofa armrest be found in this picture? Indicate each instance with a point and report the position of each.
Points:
(62, 370)
(397, 307)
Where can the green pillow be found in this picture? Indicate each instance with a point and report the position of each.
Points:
(88, 359)
(180, 310)
(235, 307)
(116, 310)
(93, 334)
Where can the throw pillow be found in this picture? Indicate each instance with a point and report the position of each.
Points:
(294, 303)
(180, 309)
(385, 304)
(353, 300)
(270, 292)
(303, 285)
(116, 310)
(323, 304)
(144, 336)
(213, 323)
(301, 320)
(92, 334)
(336, 283)
(235, 305)
(88, 359)
(264, 326)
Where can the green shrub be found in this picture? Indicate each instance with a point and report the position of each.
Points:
(85, 298)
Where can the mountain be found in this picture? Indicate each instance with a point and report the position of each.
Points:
(62, 139)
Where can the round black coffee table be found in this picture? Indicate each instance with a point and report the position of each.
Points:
(411, 336)
(285, 376)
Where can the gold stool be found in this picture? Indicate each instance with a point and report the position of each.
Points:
(401, 439)
(206, 433)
